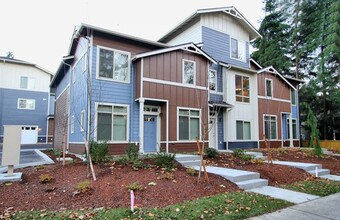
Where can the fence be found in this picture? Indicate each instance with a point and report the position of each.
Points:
(330, 145)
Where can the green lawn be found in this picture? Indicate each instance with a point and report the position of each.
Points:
(319, 187)
(238, 205)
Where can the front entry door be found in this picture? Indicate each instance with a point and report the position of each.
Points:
(150, 133)
(212, 133)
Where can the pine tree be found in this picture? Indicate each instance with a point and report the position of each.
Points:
(272, 49)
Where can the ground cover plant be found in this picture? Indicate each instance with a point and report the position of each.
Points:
(315, 186)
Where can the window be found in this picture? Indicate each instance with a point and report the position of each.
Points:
(189, 72)
(237, 49)
(82, 120)
(26, 104)
(27, 82)
(294, 123)
(188, 124)
(242, 130)
(212, 80)
(113, 65)
(242, 88)
(270, 127)
(269, 88)
(72, 124)
(112, 123)
(293, 96)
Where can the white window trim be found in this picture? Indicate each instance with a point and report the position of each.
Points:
(250, 139)
(18, 105)
(245, 49)
(191, 61)
(199, 124)
(272, 85)
(72, 124)
(127, 121)
(82, 120)
(114, 50)
(264, 126)
(216, 89)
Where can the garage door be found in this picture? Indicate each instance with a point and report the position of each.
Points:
(29, 135)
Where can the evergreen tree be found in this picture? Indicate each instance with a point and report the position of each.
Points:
(272, 48)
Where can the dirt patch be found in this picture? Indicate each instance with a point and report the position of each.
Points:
(110, 189)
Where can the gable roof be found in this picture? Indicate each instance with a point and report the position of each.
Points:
(271, 69)
(230, 10)
(191, 47)
(16, 61)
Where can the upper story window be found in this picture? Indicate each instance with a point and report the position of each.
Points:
(188, 124)
(213, 80)
(27, 82)
(293, 96)
(189, 72)
(26, 104)
(269, 88)
(237, 50)
(113, 65)
(242, 88)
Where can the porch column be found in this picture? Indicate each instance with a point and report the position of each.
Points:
(141, 125)
(290, 131)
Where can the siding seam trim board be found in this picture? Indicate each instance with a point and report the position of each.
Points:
(173, 84)
(274, 99)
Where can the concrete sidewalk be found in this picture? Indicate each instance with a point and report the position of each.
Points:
(327, 207)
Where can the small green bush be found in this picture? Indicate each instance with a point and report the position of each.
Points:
(45, 178)
(83, 186)
(137, 164)
(98, 151)
(238, 152)
(211, 152)
(165, 160)
(132, 152)
(122, 161)
(246, 158)
(135, 186)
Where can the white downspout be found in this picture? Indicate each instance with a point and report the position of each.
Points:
(290, 131)
(167, 127)
(141, 110)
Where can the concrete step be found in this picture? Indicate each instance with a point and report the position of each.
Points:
(321, 172)
(253, 183)
(284, 194)
(186, 157)
(304, 166)
(191, 163)
(231, 174)
(331, 177)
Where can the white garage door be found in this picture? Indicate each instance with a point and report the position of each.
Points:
(29, 135)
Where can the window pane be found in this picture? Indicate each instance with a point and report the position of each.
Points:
(212, 80)
(183, 128)
(106, 63)
(293, 97)
(183, 112)
(120, 109)
(105, 108)
(189, 68)
(194, 128)
(239, 130)
(234, 49)
(194, 113)
(273, 128)
(246, 130)
(121, 66)
(30, 104)
(119, 127)
(238, 85)
(241, 51)
(266, 128)
(294, 130)
(245, 86)
(23, 82)
(269, 88)
(104, 128)
(22, 103)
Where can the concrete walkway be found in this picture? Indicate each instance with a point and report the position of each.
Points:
(323, 208)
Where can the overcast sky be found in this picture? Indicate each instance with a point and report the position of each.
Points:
(39, 31)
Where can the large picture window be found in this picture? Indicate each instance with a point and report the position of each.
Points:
(243, 130)
(189, 72)
(242, 88)
(212, 80)
(237, 50)
(113, 65)
(188, 124)
(112, 123)
(270, 127)
(26, 104)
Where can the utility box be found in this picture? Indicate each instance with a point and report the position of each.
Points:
(11, 145)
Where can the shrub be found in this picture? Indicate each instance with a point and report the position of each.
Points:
(98, 151)
(165, 160)
(246, 158)
(83, 186)
(122, 161)
(135, 186)
(45, 178)
(238, 152)
(211, 152)
(132, 152)
(137, 164)
(191, 172)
